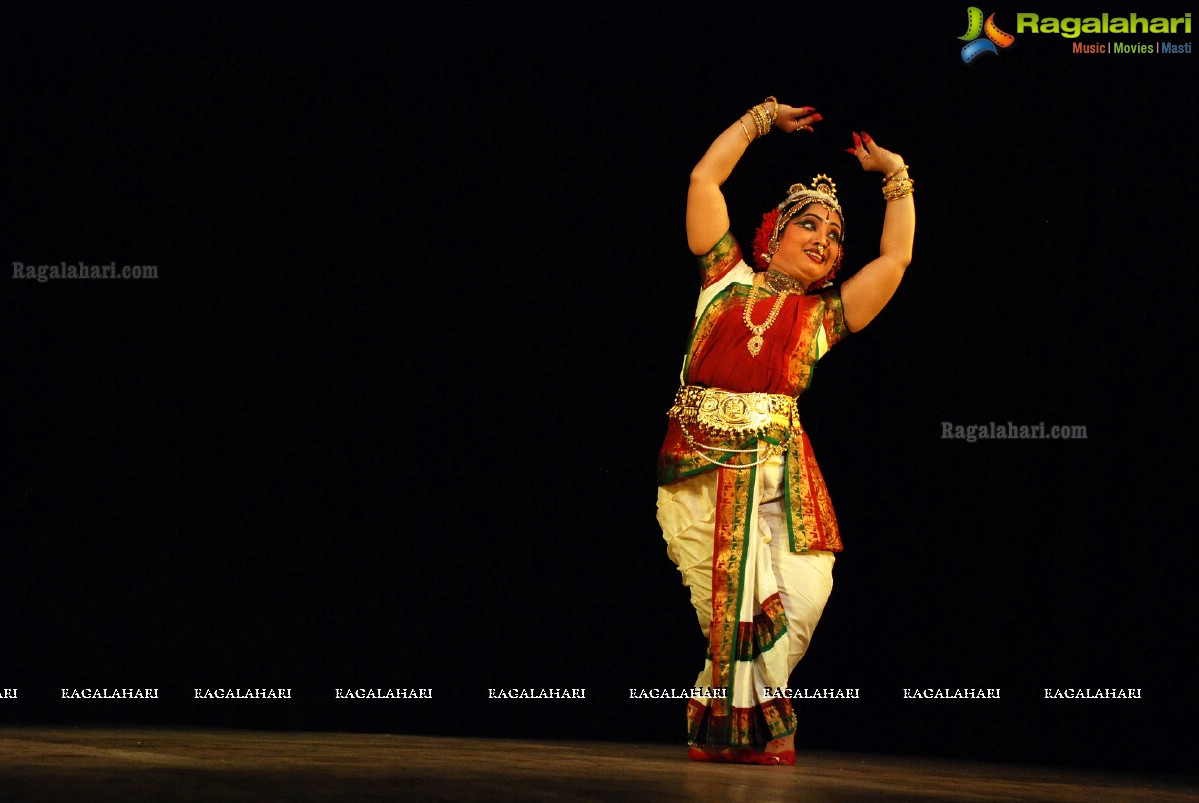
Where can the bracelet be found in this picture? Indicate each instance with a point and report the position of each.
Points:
(741, 120)
(900, 191)
(894, 173)
(763, 118)
(900, 188)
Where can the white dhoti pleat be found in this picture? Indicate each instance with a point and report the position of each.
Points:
(772, 577)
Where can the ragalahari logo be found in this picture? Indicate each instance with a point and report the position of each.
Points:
(977, 46)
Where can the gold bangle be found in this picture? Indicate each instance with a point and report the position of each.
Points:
(900, 188)
(775, 101)
(899, 185)
(741, 120)
(766, 124)
(894, 173)
(760, 120)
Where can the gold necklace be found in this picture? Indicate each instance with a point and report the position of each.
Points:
(779, 282)
(755, 343)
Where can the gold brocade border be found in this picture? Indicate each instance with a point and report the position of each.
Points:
(760, 635)
(741, 727)
(720, 259)
(728, 559)
(824, 523)
(801, 523)
(804, 357)
(732, 641)
(825, 317)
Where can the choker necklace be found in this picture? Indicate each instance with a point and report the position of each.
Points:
(755, 343)
(779, 282)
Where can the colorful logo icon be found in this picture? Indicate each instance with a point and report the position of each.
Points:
(977, 46)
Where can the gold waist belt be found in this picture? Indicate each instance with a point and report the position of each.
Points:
(731, 414)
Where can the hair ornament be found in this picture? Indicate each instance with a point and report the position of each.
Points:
(821, 191)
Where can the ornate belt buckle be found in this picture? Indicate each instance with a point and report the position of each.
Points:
(721, 411)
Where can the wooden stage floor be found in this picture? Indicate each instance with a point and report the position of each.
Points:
(84, 764)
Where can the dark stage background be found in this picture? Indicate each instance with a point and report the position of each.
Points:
(388, 415)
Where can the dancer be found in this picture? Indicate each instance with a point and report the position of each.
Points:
(742, 504)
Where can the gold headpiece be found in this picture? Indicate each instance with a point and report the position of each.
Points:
(823, 191)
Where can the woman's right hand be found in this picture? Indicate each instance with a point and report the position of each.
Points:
(796, 118)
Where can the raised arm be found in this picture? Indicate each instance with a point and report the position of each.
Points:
(865, 294)
(707, 213)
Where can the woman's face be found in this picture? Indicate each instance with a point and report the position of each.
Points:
(809, 245)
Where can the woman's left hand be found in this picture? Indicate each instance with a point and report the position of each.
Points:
(873, 157)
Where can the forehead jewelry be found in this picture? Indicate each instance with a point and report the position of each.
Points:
(823, 192)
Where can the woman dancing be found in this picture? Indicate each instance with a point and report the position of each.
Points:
(742, 504)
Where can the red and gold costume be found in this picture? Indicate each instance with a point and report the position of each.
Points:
(743, 506)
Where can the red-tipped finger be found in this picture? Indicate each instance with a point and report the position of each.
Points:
(857, 141)
(851, 151)
(869, 139)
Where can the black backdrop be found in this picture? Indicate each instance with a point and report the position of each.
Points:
(388, 415)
